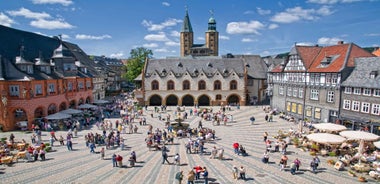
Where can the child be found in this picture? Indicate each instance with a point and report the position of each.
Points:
(102, 153)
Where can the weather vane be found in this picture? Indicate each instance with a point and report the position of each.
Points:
(211, 12)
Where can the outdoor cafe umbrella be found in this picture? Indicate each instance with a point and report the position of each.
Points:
(58, 116)
(71, 111)
(100, 102)
(87, 106)
(331, 127)
(326, 138)
(377, 144)
(360, 136)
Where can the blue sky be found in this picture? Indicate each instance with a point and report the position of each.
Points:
(263, 27)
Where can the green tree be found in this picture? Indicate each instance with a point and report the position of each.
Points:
(136, 62)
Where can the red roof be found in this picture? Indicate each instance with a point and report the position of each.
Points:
(342, 56)
(277, 69)
(376, 52)
(307, 54)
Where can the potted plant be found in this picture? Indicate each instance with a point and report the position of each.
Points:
(351, 173)
(296, 142)
(331, 162)
(362, 179)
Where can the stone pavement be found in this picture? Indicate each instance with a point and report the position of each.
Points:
(80, 166)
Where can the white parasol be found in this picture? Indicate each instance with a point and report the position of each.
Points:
(359, 135)
(100, 102)
(329, 127)
(87, 106)
(58, 116)
(326, 138)
(377, 144)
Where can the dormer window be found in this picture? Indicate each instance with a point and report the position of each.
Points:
(29, 69)
(209, 65)
(373, 75)
(163, 72)
(179, 64)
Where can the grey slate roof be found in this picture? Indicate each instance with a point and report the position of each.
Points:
(209, 65)
(360, 76)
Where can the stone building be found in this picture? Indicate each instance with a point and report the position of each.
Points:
(308, 85)
(40, 76)
(360, 104)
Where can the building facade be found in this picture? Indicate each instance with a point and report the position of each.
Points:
(360, 104)
(40, 76)
(308, 85)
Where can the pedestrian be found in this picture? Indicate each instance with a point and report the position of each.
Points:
(102, 153)
(236, 148)
(190, 177)
(242, 173)
(293, 168)
(266, 118)
(283, 162)
(265, 158)
(51, 140)
(205, 175)
(198, 169)
(134, 156)
(42, 154)
(220, 153)
(165, 155)
(314, 164)
(214, 151)
(177, 159)
(69, 143)
(235, 172)
(92, 147)
(297, 163)
(179, 176)
(270, 118)
(265, 135)
(252, 119)
(114, 162)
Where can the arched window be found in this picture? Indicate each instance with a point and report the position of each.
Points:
(233, 85)
(155, 85)
(170, 85)
(201, 85)
(217, 85)
(186, 85)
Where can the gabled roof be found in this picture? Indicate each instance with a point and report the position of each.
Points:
(360, 76)
(341, 56)
(376, 52)
(308, 54)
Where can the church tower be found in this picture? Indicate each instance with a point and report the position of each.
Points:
(186, 36)
(212, 37)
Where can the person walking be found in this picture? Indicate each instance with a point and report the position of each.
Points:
(297, 163)
(179, 176)
(235, 172)
(205, 175)
(114, 162)
(165, 155)
(177, 159)
(314, 164)
(252, 119)
(242, 173)
(102, 153)
(190, 177)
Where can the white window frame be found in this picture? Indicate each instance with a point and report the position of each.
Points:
(365, 107)
(14, 90)
(348, 90)
(38, 89)
(376, 92)
(80, 85)
(51, 88)
(346, 104)
(334, 79)
(88, 84)
(367, 91)
(330, 96)
(281, 90)
(300, 93)
(375, 110)
(357, 91)
(289, 91)
(314, 94)
(295, 92)
(70, 86)
(355, 106)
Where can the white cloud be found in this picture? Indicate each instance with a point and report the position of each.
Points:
(224, 37)
(117, 55)
(248, 12)
(332, 1)
(91, 37)
(150, 45)
(5, 20)
(262, 11)
(273, 26)
(51, 24)
(171, 43)
(298, 13)
(29, 14)
(200, 38)
(62, 2)
(251, 27)
(161, 50)
(328, 41)
(248, 40)
(165, 4)
(372, 34)
(158, 27)
(305, 44)
(175, 34)
(65, 36)
(160, 37)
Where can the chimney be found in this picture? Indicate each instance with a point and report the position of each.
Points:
(340, 42)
